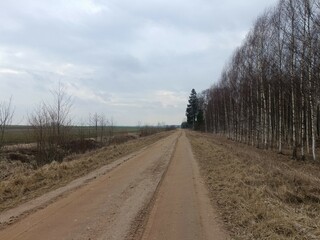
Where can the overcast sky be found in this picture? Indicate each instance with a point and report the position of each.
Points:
(135, 61)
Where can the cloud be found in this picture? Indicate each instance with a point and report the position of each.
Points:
(121, 57)
(6, 71)
(170, 99)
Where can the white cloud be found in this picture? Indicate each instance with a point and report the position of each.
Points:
(91, 6)
(9, 71)
(156, 39)
(170, 98)
(122, 57)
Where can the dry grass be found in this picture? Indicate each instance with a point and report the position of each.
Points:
(260, 194)
(22, 183)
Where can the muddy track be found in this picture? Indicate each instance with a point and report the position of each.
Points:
(154, 194)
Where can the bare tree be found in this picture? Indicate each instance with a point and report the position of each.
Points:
(94, 120)
(100, 123)
(59, 112)
(268, 93)
(110, 127)
(103, 122)
(51, 126)
(40, 123)
(6, 115)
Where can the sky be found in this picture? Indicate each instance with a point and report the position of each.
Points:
(134, 61)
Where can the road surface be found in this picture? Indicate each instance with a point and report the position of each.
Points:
(156, 194)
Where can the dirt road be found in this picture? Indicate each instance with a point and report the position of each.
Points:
(157, 194)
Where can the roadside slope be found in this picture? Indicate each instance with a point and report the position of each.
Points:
(106, 207)
(260, 194)
(25, 183)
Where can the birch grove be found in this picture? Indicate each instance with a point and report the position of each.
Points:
(268, 94)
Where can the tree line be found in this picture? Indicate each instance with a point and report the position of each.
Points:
(52, 130)
(268, 93)
(54, 133)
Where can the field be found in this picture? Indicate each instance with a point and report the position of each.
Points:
(260, 194)
(24, 134)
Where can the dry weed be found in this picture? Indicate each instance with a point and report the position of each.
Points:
(260, 194)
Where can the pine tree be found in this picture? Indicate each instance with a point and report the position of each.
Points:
(192, 109)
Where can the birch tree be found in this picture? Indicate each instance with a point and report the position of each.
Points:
(268, 92)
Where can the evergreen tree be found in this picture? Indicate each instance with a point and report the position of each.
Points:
(192, 109)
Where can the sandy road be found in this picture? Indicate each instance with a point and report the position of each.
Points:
(182, 209)
(157, 194)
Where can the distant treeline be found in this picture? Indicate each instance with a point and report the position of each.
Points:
(55, 135)
(268, 94)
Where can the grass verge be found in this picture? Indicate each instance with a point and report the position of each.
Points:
(25, 183)
(259, 194)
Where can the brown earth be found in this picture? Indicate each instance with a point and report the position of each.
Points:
(156, 193)
(182, 208)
